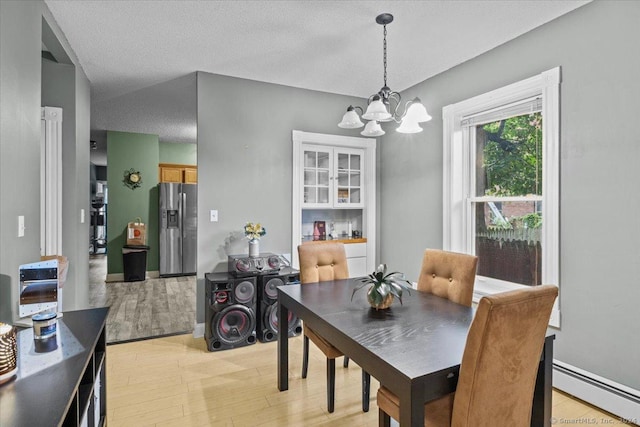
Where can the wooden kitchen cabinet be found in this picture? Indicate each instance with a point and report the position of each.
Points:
(169, 172)
(191, 175)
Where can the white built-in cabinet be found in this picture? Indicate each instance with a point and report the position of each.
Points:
(334, 181)
(332, 177)
(357, 259)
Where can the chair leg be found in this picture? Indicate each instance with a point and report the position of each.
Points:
(345, 363)
(366, 382)
(305, 356)
(331, 383)
(384, 420)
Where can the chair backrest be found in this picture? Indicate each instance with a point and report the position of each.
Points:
(448, 275)
(501, 357)
(322, 261)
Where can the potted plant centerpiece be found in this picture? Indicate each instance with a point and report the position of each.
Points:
(384, 286)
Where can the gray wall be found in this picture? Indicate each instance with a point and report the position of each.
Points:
(20, 84)
(60, 89)
(597, 48)
(20, 26)
(244, 162)
(80, 191)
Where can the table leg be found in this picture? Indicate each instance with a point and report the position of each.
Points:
(541, 410)
(366, 386)
(412, 407)
(283, 346)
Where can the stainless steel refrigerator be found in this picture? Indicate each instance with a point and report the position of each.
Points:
(178, 224)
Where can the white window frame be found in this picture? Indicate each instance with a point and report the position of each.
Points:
(457, 191)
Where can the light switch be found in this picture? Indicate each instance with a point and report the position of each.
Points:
(81, 216)
(214, 215)
(21, 226)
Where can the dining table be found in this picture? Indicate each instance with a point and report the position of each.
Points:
(413, 348)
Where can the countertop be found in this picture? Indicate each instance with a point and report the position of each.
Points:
(345, 239)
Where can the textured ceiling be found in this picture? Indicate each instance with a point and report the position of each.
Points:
(129, 49)
(331, 46)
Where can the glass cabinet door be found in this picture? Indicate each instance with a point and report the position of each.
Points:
(348, 189)
(316, 179)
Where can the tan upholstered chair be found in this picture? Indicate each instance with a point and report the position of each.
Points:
(499, 365)
(320, 262)
(448, 275)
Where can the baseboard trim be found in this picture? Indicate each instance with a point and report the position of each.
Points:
(611, 396)
(198, 330)
(119, 277)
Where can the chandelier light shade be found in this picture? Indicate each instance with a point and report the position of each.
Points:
(384, 106)
(408, 126)
(373, 128)
(376, 110)
(417, 112)
(351, 120)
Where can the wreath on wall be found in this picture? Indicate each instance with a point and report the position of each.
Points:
(132, 178)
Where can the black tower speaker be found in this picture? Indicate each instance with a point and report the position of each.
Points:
(267, 328)
(230, 311)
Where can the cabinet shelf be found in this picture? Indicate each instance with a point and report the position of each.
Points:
(85, 393)
(99, 359)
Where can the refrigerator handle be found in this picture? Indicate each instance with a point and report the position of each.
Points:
(182, 212)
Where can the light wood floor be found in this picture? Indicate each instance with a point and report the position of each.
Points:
(175, 381)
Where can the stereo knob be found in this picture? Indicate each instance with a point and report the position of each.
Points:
(242, 265)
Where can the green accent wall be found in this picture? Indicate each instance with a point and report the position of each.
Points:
(183, 154)
(141, 152)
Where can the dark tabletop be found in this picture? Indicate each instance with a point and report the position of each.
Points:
(46, 381)
(426, 334)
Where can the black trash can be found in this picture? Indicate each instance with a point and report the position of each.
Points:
(134, 261)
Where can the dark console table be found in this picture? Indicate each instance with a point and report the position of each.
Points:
(60, 381)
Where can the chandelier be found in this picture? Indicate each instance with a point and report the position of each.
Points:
(384, 106)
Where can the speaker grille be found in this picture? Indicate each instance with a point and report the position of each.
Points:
(271, 319)
(244, 292)
(234, 324)
(271, 287)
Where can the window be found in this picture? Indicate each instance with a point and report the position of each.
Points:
(501, 184)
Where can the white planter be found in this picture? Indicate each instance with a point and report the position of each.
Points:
(254, 247)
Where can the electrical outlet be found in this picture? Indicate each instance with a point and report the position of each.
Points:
(214, 215)
(21, 226)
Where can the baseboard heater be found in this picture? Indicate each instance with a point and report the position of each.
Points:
(608, 395)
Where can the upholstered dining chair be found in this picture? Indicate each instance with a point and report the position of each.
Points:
(499, 364)
(320, 262)
(448, 275)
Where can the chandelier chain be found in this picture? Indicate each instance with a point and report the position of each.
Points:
(384, 49)
(385, 105)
